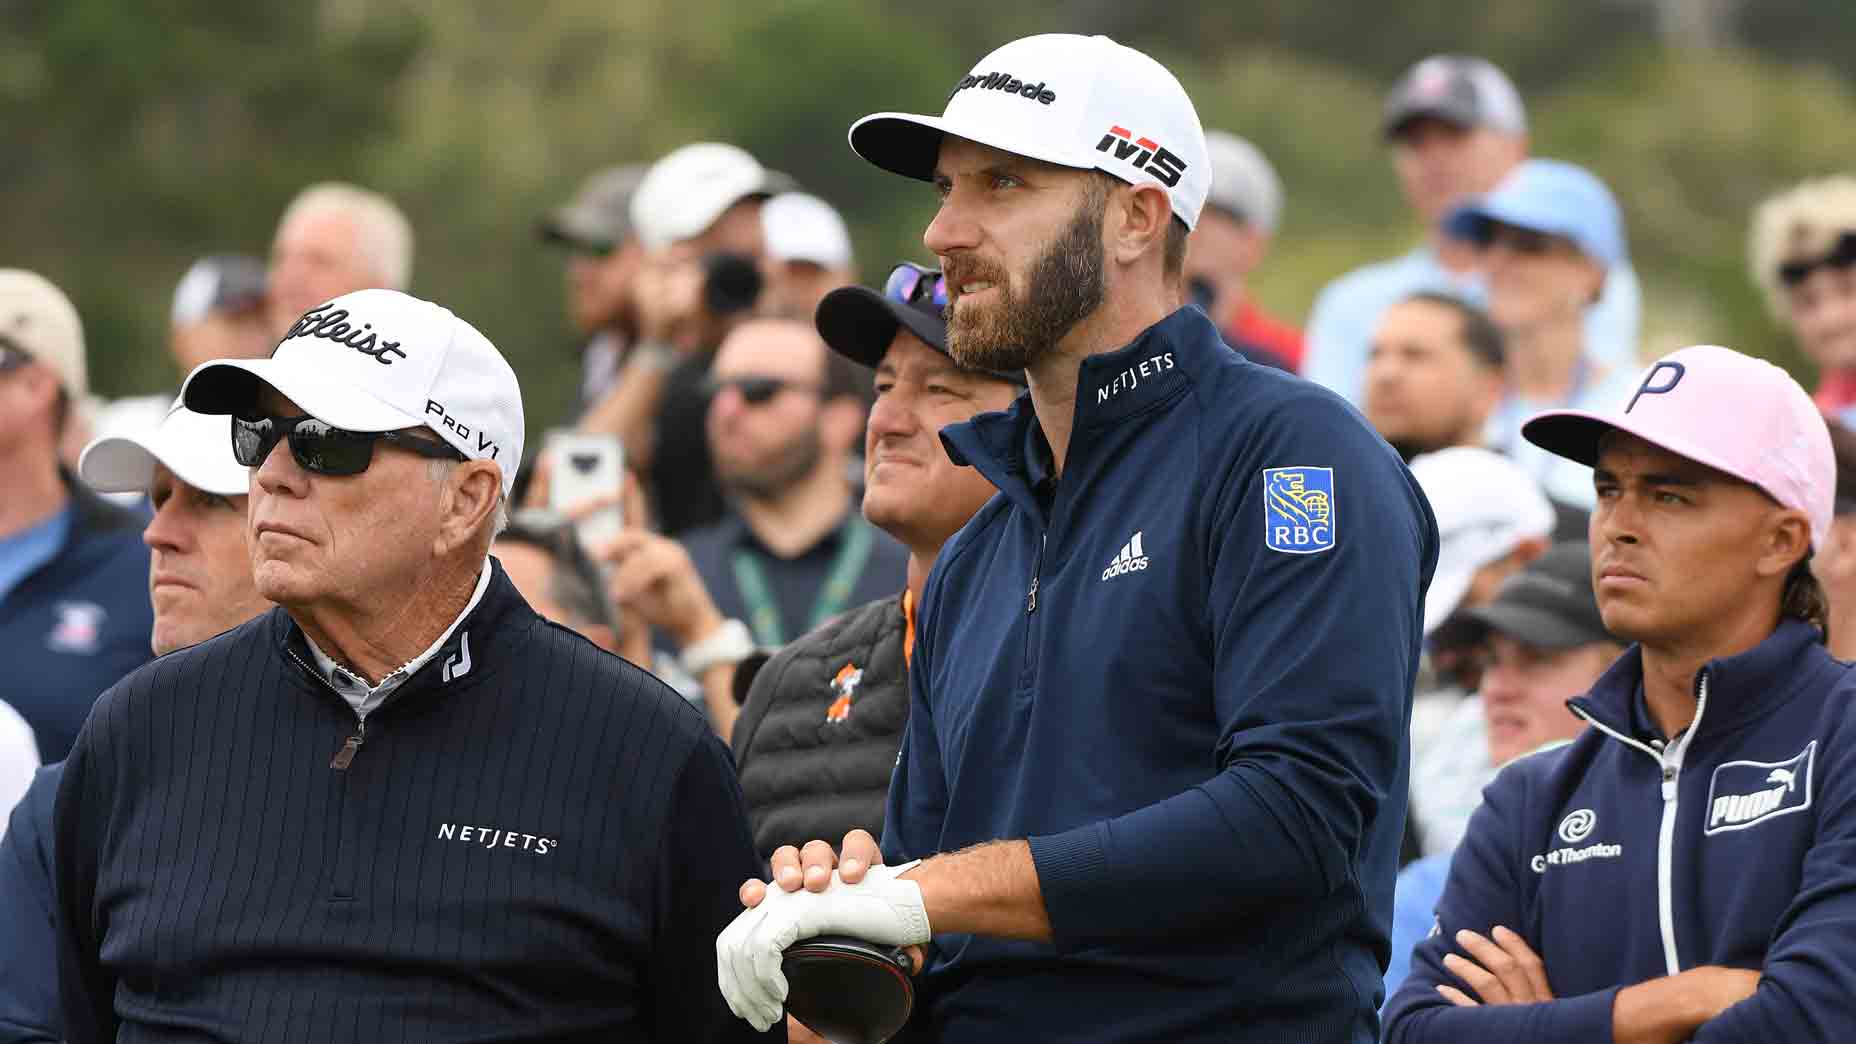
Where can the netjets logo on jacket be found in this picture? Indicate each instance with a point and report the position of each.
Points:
(1746, 793)
(1132, 558)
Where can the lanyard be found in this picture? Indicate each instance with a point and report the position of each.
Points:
(833, 595)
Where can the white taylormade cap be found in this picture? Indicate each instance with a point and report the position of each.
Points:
(1076, 101)
(381, 360)
(196, 447)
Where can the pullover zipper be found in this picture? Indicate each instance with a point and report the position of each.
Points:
(344, 756)
(1669, 761)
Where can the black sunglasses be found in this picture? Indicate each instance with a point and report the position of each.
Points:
(1530, 242)
(754, 390)
(322, 448)
(910, 283)
(1842, 255)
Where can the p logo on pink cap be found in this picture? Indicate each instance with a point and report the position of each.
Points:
(1730, 411)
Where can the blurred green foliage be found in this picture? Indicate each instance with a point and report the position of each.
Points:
(142, 135)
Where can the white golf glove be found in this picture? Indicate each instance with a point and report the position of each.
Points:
(882, 908)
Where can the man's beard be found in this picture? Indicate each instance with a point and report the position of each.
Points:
(783, 469)
(1064, 286)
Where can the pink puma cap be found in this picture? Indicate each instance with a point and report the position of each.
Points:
(1718, 407)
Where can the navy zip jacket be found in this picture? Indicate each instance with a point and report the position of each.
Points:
(1184, 672)
(77, 623)
(1618, 862)
(534, 841)
(29, 954)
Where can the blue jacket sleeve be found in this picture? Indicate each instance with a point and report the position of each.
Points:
(1484, 890)
(28, 960)
(707, 853)
(917, 802)
(1313, 657)
(1337, 339)
(1414, 910)
(1807, 990)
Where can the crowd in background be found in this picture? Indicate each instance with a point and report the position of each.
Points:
(696, 283)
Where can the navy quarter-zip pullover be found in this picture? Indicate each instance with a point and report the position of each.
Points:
(1183, 670)
(1626, 856)
(529, 840)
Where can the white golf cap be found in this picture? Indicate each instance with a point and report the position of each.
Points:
(684, 192)
(1485, 505)
(800, 227)
(1243, 182)
(196, 447)
(1076, 101)
(381, 360)
(38, 319)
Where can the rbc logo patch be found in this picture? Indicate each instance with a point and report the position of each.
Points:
(1298, 509)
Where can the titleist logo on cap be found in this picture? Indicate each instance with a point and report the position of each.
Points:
(331, 324)
(1008, 83)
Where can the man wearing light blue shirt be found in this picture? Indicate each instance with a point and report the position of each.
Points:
(1456, 127)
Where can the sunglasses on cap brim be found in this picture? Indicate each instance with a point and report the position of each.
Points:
(322, 448)
(911, 284)
(1842, 255)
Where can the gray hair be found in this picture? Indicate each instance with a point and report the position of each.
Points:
(439, 470)
(384, 232)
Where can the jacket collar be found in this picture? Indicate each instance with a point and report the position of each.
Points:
(480, 643)
(1149, 372)
(1740, 688)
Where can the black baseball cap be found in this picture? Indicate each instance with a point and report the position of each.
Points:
(858, 322)
(1549, 604)
(1469, 92)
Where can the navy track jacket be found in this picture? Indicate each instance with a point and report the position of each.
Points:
(1619, 862)
(1186, 677)
(534, 841)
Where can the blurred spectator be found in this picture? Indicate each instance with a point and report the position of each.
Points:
(1492, 520)
(335, 238)
(603, 258)
(1803, 253)
(74, 613)
(201, 584)
(839, 696)
(1456, 128)
(697, 216)
(808, 255)
(1549, 232)
(1834, 562)
(1434, 375)
(218, 312)
(19, 759)
(555, 577)
(1230, 241)
(1545, 644)
(794, 551)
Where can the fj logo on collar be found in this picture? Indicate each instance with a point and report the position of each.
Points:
(1298, 510)
(333, 325)
(458, 666)
(844, 685)
(1745, 793)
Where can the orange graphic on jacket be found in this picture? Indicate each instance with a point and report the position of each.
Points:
(845, 685)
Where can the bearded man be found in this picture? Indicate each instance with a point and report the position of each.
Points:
(1155, 767)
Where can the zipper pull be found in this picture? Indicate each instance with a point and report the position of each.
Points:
(345, 756)
(1031, 599)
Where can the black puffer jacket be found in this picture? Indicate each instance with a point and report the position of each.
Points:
(816, 741)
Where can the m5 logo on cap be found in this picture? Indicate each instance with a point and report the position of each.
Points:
(331, 324)
(1005, 82)
(1151, 157)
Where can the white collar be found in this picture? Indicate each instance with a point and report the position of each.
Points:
(364, 697)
